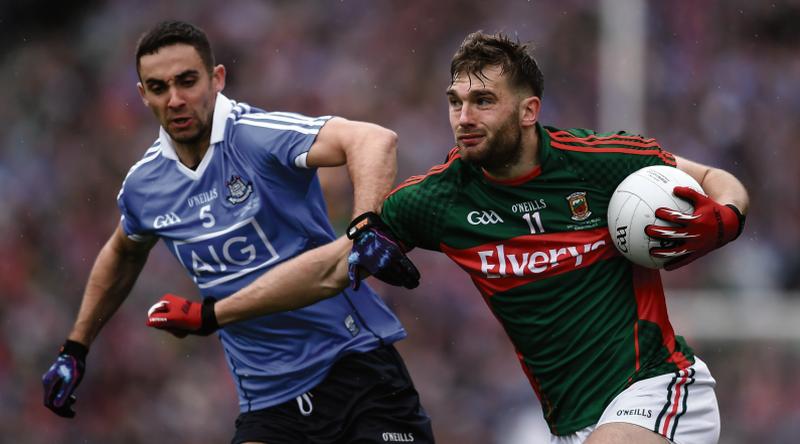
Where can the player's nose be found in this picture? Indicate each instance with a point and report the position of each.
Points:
(466, 118)
(176, 100)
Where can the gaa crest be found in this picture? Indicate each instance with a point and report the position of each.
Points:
(579, 206)
(239, 191)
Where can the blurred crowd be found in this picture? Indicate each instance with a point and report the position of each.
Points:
(721, 89)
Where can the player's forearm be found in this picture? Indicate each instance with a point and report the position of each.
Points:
(372, 164)
(725, 188)
(110, 281)
(313, 276)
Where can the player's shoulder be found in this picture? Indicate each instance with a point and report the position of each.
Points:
(583, 140)
(248, 122)
(443, 178)
(147, 166)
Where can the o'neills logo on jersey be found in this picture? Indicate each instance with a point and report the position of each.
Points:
(497, 267)
(579, 206)
(239, 190)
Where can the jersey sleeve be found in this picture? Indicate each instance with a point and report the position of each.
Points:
(607, 158)
(415, 210)
(129, 218)
(278, 137)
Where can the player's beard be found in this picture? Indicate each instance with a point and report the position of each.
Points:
(503, 150)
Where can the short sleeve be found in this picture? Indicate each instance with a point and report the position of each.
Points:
(130, 221)
(279, 137)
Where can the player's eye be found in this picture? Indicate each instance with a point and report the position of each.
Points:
(156, 88)
(188, 82)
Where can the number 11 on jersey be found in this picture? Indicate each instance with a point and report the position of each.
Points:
(534, 221)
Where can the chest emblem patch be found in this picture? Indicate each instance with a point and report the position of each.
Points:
(579, 206)
(239, 190)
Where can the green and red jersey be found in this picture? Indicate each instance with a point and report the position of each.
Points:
(586, 322)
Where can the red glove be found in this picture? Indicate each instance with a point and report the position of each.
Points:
(180, 316)
(709, 227)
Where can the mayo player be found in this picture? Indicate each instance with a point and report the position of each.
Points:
(232, 191)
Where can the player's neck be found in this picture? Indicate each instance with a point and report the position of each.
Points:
(528, 159)
(192, 154)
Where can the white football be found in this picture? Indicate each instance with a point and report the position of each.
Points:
(633, 206)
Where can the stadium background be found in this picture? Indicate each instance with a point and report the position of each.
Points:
(715, 81)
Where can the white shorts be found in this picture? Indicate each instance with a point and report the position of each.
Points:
(680, 406)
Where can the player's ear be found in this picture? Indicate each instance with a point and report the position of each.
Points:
(140, 87)
(529, 110)
(218, 78)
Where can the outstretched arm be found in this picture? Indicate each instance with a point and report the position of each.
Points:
(308, 278)
(314, 275)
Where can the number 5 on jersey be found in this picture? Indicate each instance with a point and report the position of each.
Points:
(207, 217)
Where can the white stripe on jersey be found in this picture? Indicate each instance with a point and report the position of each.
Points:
(151, 153)
(280, 118)
(299, 129)
(299, 116)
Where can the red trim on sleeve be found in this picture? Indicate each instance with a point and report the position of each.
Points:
(451, 156)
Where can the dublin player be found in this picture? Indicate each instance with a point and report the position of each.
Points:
(232, 191)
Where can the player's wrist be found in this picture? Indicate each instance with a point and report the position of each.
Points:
(208, 317)
(74, 348)
(363, 222)
(739, 219)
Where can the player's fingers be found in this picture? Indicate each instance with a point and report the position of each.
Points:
(158, 321)
(158, 307)
(52, 386)
(660, 232)
(674, 216)
(687, 193)
(62, 395)
(668, 253)
(353, 273)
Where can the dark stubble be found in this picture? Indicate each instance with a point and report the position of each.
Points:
(504, 149)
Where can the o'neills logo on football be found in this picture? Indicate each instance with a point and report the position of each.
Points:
(579, 206)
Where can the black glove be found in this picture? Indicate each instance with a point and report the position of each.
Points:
(63, 377)
(377, 252)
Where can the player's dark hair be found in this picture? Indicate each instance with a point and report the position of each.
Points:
(172, 32)
(480, 50)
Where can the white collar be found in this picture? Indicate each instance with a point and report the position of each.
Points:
(222, 108)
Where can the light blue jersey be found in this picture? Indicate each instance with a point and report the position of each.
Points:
(251, 204)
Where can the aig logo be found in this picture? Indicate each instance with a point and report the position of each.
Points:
(483, 218)
(166, 220)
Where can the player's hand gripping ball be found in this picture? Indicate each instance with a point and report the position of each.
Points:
(376, 252)
(659, 217)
